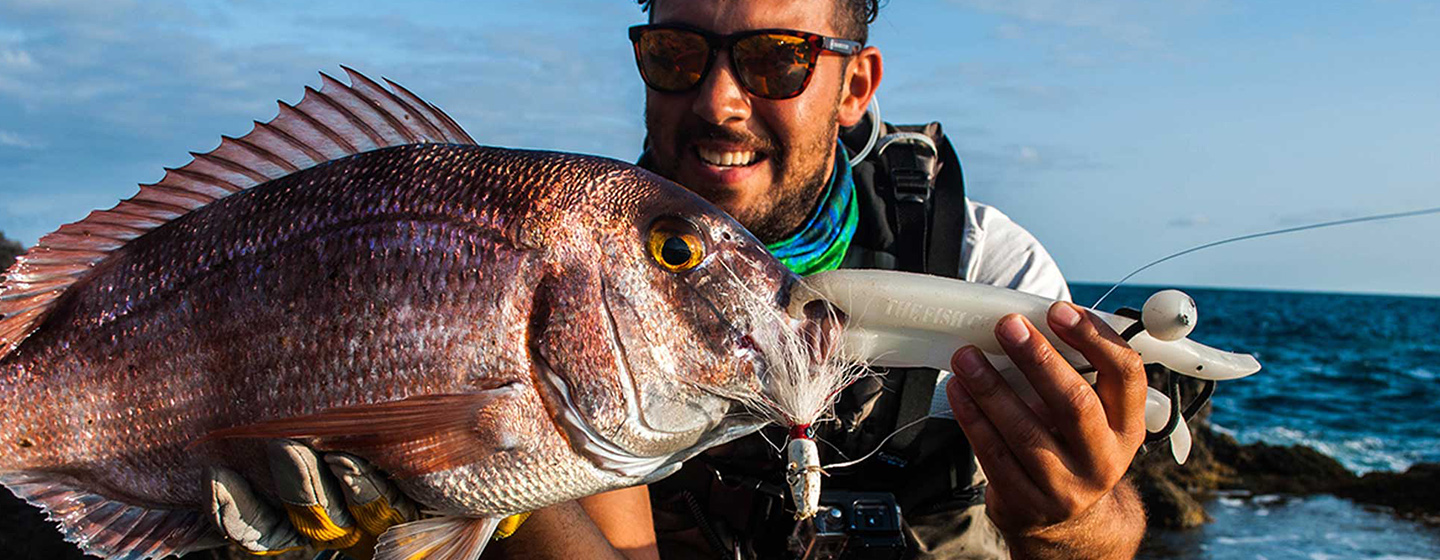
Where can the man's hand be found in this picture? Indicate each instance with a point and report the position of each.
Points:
(1055, 469)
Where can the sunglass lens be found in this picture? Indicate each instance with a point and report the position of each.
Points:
(773, 65)
(671, 59)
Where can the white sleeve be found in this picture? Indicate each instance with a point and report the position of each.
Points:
(997, 251)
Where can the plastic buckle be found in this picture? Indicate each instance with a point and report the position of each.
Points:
(912, 169)
(912, 185)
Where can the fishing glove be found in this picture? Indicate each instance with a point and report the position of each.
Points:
(344, 508)
(345, 505)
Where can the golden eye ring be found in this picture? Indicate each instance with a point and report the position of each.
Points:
(675, 245)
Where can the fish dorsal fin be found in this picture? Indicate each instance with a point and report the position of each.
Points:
(334, 122)
(112, 529)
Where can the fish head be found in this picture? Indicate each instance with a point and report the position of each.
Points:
(697, 302)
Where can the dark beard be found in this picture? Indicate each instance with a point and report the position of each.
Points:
(795, 197)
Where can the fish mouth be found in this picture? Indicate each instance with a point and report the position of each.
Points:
(805, 337)
(748, 355)
(822, 327)
(790, 343)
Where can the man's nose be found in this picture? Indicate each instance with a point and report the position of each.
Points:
(720, 98)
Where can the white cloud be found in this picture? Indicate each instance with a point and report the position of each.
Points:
(1029, 155)
(12, 140)
(16, 60)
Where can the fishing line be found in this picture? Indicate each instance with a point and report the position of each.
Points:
(1347, 221)
(878, 446)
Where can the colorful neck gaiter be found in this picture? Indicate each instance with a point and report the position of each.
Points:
(821, 243)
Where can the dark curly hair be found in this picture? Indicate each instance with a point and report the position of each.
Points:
(852, 17)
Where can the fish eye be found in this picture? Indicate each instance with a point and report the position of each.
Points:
(675, 245)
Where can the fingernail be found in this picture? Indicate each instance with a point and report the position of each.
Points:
(970, 362)
(1063, 314)
(1014, 331)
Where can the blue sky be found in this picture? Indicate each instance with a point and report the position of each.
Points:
(1115, 130)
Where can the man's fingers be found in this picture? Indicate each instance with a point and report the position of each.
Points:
(1028, 440)
(311, 496)
(245, 518)
(1075, 411)
(1119, 371)
(1001, 467)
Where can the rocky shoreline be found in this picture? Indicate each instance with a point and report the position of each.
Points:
(1174, 495)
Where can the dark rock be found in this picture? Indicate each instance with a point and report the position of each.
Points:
(9, 249)
(1168, 505)
(1413, 493)
(1173, 493)
(1268, 469)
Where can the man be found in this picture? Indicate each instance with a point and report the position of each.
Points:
(756, 134)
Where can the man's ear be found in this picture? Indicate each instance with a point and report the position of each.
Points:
(862, 78)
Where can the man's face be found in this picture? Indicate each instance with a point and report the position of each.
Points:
(763, 161)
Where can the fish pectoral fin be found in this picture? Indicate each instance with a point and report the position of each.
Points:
(437, 538)
(110, 528)
(407, 438)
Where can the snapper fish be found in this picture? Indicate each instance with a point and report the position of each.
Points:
(500, 330)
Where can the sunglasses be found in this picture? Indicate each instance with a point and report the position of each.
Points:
(770, 63)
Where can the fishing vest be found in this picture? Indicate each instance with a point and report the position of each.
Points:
(911, 195)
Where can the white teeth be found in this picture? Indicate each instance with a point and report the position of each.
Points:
(727, 159)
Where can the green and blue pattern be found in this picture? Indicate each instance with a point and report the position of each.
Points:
(821, 244)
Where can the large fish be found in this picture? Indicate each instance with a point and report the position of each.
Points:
(500, 330)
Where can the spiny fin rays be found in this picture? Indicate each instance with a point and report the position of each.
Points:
(334, 122)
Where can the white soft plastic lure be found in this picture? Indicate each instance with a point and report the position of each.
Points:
(899, 319)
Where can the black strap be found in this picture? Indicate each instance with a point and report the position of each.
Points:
(948, 223)
(915, 398)
(911, 169)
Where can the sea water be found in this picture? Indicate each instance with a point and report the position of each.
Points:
(1356, 377)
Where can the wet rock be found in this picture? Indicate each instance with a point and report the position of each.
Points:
(1168, 505)
(1262, 468)
(1413, 493)
(9, 249)
(1174, 494)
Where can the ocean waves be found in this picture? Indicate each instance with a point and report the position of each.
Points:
(1352, 376)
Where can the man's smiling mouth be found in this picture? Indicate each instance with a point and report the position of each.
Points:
(728, 158)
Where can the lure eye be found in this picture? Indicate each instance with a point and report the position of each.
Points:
(675, 245)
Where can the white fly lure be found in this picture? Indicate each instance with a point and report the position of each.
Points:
(799, 389)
